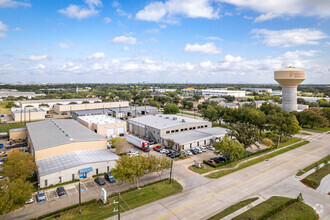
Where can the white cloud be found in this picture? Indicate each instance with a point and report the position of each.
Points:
(166, 12)
(98, 55)
(247, 17)
(152, 31)
(203, 48)
(37, 58)
(206, 64)
(3, 27)
(40, 66)
(123, 40)
(213, 38)
(107, 20)
(278, 8)
(119, 10)
(17, 29)
(3, 35)
(126, 48)
(79, 12)
(13, 4)
(65, 45)
(290, 38)
(162, 26)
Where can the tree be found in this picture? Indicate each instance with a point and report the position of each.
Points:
(283, 123)
(19, 164)
(176, 100)
(171, 109)
(229, 98)
(85, 102)
(230, 148)
(10, 104)
(130, 169)
(257, 118)
(159, 164)
(197, 97)
(210, 113)
(120, 144)
(190, 105)
(267, 142)
(154, 103)
(313, 117)
(73, 103)
(245, 133)
(13, 194)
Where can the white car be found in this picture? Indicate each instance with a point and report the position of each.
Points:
(162, 151)
(132, 153)
(30, 200)
(188, 152)
(203, 149)
(210, 147)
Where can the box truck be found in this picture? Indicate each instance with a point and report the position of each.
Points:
(138, 142)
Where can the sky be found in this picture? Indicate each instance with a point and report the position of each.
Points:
(194, 41)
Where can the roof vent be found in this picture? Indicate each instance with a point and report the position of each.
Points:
(183, 120)
(166, 117)
(174, 118)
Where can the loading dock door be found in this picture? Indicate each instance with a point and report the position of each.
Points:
(110, 132)
(120, 131)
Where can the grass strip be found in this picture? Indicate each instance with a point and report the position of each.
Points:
(313, 180)
(6, 127)
(129, 200)
(255, 161)
(306, 169)
(233, 208)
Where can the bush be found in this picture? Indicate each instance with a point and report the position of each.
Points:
(278, 209)
(268, 142)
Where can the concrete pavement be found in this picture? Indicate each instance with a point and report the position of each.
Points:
(210, 198)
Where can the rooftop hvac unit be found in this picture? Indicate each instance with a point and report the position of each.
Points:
(166, 117)
(183, 120)
(174, 118)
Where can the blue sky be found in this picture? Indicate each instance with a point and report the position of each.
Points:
(199, 41)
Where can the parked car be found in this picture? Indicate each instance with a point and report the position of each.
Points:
(203, 149)
(210, 148)
(194, 151)
(170, 152)
(187, 153)
(132, 153)
(159, 149)
(155, 148)
(48, 116)
(41, 196)
(164, 151)
(198, 150)
(2, 160)
(60, 191)
(174, 155)
(99, 180)
(109, 177)
(30, 200)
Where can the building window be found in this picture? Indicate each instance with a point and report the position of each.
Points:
(167, 132)
(108, 169)
(190, 128)
(172, 131)
(190, 145)
(194, 127)
(181, 129)
(46, 183)
(60, 179)
(198, 126)
(182, 147)
(186, 129)
(197, 143)
(158, 132)
(206, 126)
(204, 142)
(176, 130)
(154, 132)
(202, 126)
(73, 176)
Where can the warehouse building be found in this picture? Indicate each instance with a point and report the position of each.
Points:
(195, 138)
(4, 93)
(259, 90)
(51, 102)
(17, 133)
(125, 112)
(65, 150)
(221, 92)
(28, 114)
(104, 125)
(154, 127)
(60, 108)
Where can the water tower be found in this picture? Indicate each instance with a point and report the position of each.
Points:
(289, 78)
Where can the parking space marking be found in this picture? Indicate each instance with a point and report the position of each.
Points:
(72, 191)
(95, 184)
(85, 186)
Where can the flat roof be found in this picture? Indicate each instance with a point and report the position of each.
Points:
(26, 110)
(73, 159)
(195, 135)
(133, 108)
(164, 121)
(54, 132)
(100, 119)
(58, 100)
(99, 103)
(91, 112)
(17, 129)
(107, 110)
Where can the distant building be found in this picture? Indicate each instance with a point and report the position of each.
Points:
(104, 125)
(158, 90)
(216, 92)
(52, 102)
(61, 108)
(276, 93)
(4, 93)
(65, 150)
(28, 114)
(259, 90)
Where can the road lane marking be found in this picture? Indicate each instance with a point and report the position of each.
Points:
(205, 198)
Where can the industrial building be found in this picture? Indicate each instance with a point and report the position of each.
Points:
(289, 78)
(17, 133)
(28, 114)
(65, 150)
(51, 102)
(222, 92)
(154, 127)
(259, 90)
(126, 112)
(4, 93)
(195, 138)
(61, 108)
(104, 125)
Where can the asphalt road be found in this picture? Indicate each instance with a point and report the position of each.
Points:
(210, 198)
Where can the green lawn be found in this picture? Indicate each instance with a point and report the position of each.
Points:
(255, 161)
(314, 179)
(129, 201)
(305, 133)
(327, 158)
(7, 126)
(222, 125)
(297, 210)
(188, 113)
(3, 109)
(232, 209)
(206, 168)
(320, 130)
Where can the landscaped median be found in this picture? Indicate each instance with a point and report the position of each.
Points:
(221, 173)
(130, 199)
(208, 167)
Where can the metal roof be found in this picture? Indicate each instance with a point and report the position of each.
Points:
(196, 135)
(17, 129)
(100, 119)
(74, 159)
(59, 100)
(91, 112)
(51, 133)
(26, 110)
(134, 108)
(164, 121)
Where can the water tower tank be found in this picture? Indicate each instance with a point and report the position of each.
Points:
(289, 78)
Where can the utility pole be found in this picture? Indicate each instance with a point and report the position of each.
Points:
(119, 206)
(278, 142)
(171, 171)
(79, 199)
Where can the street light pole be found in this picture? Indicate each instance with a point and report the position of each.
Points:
(171, 171)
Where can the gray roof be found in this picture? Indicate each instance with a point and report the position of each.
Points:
(26, 110)
(50, 133)
(164, 121)
(59, 100)
(17, 129)
(195, 135)
(134, 108)
(74, 159)
(91, 112)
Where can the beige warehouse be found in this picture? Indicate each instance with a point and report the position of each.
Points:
(88, 106)
(28, 114)
(104, 125)
(65, 150)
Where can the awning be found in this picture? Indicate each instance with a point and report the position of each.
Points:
(86, 170)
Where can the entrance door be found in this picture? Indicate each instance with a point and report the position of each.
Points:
(83, 175)
(110, 132)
